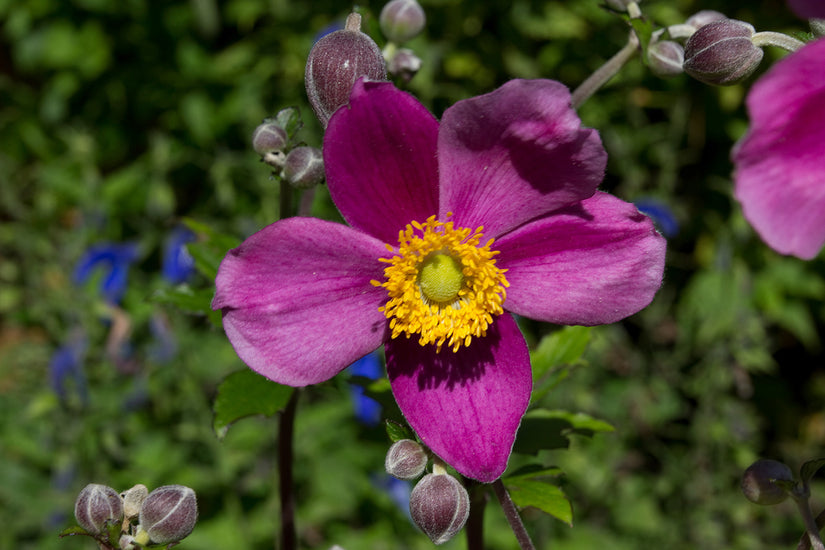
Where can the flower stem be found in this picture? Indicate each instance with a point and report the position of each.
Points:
(805, 541)
(604, 73)
(512, 516)
(767, 38)
(286, 425)
(811, 525)
(285, 200)
(475, 523)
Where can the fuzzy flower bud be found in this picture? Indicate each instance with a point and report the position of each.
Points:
(406, 459)
(304, 167)
(758, 482)
(402, 20)
(95, 505)
(439, 505)
(169, 513)
(268, 138)
(702, 18)
(722, 53)
(336, 61)
(133, 500)
(404, 64)
(666, 57)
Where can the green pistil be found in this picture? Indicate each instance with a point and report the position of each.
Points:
(440, 278)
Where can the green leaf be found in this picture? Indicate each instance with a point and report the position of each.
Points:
(74, 530)
(554, 355)
(809, 469)
(246, 393)
(543, 429)
(397, 431)
(210, 249)
(290, 120)
(189, 300)
(535, 486)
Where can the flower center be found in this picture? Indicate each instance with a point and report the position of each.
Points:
(442, 285)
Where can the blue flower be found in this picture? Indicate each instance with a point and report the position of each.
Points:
(661, 215)
(367, 409)
(178, 265)
(116, 259)
(67, 364)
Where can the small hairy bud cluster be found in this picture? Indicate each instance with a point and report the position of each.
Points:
(759, 482)
(666, 57)
(406, 459)
(439, 506)
(334, 64)
(304, 167)
(97, 505)
(166, 515)
(721, 52)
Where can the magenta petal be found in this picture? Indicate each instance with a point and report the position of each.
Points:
(808, 9)
(779, 167)
(465, 406)
(514, 154)
(587, 265)
(297, 301)
(379, 154)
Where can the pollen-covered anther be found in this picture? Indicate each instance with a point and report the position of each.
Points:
(442, 285)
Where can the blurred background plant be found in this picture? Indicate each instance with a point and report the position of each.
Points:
(122, 121)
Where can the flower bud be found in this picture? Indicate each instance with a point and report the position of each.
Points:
(268, 138)
(336, 61)
(406, 459)
(404, 64)
(169, 513)
(439, 505)
(758, 482)
(95, 505)
(304, 167)
(722, 53)
(133, 500)
(402, 20)
(702, 18)
(666, 57)
(817, 27)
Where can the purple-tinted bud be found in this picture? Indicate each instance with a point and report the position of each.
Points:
(439, 505)
(758, 482)
(665, 58)
(169, 513)
(702, 18)
(336, 61)
(304, 167)
(722, 53)
(404, 64)
(406, 459)
(402, 20)
(268, 138)
(95, 505)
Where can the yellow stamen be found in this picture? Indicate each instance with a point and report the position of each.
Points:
(442, 285)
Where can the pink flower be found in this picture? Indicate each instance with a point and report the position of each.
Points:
(450, 225)
(779, 167)
(808, 9)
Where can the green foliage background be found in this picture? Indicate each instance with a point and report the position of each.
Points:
(120, 119)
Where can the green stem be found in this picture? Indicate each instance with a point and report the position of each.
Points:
(285, 200)
(805, 540)
(512, 516)
(286, 429)
(604, 73)
(762, 39)
(475, 523)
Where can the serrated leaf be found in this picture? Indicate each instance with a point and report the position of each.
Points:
(290, 120)
(543, 429)
(809, 469)
(246, 393)
(210, 248)
(397, 431)
(554, 355)
(189, 300)
(534, 486)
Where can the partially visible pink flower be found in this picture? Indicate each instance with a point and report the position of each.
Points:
(780, 162)
(808, 9)
(304, 298)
